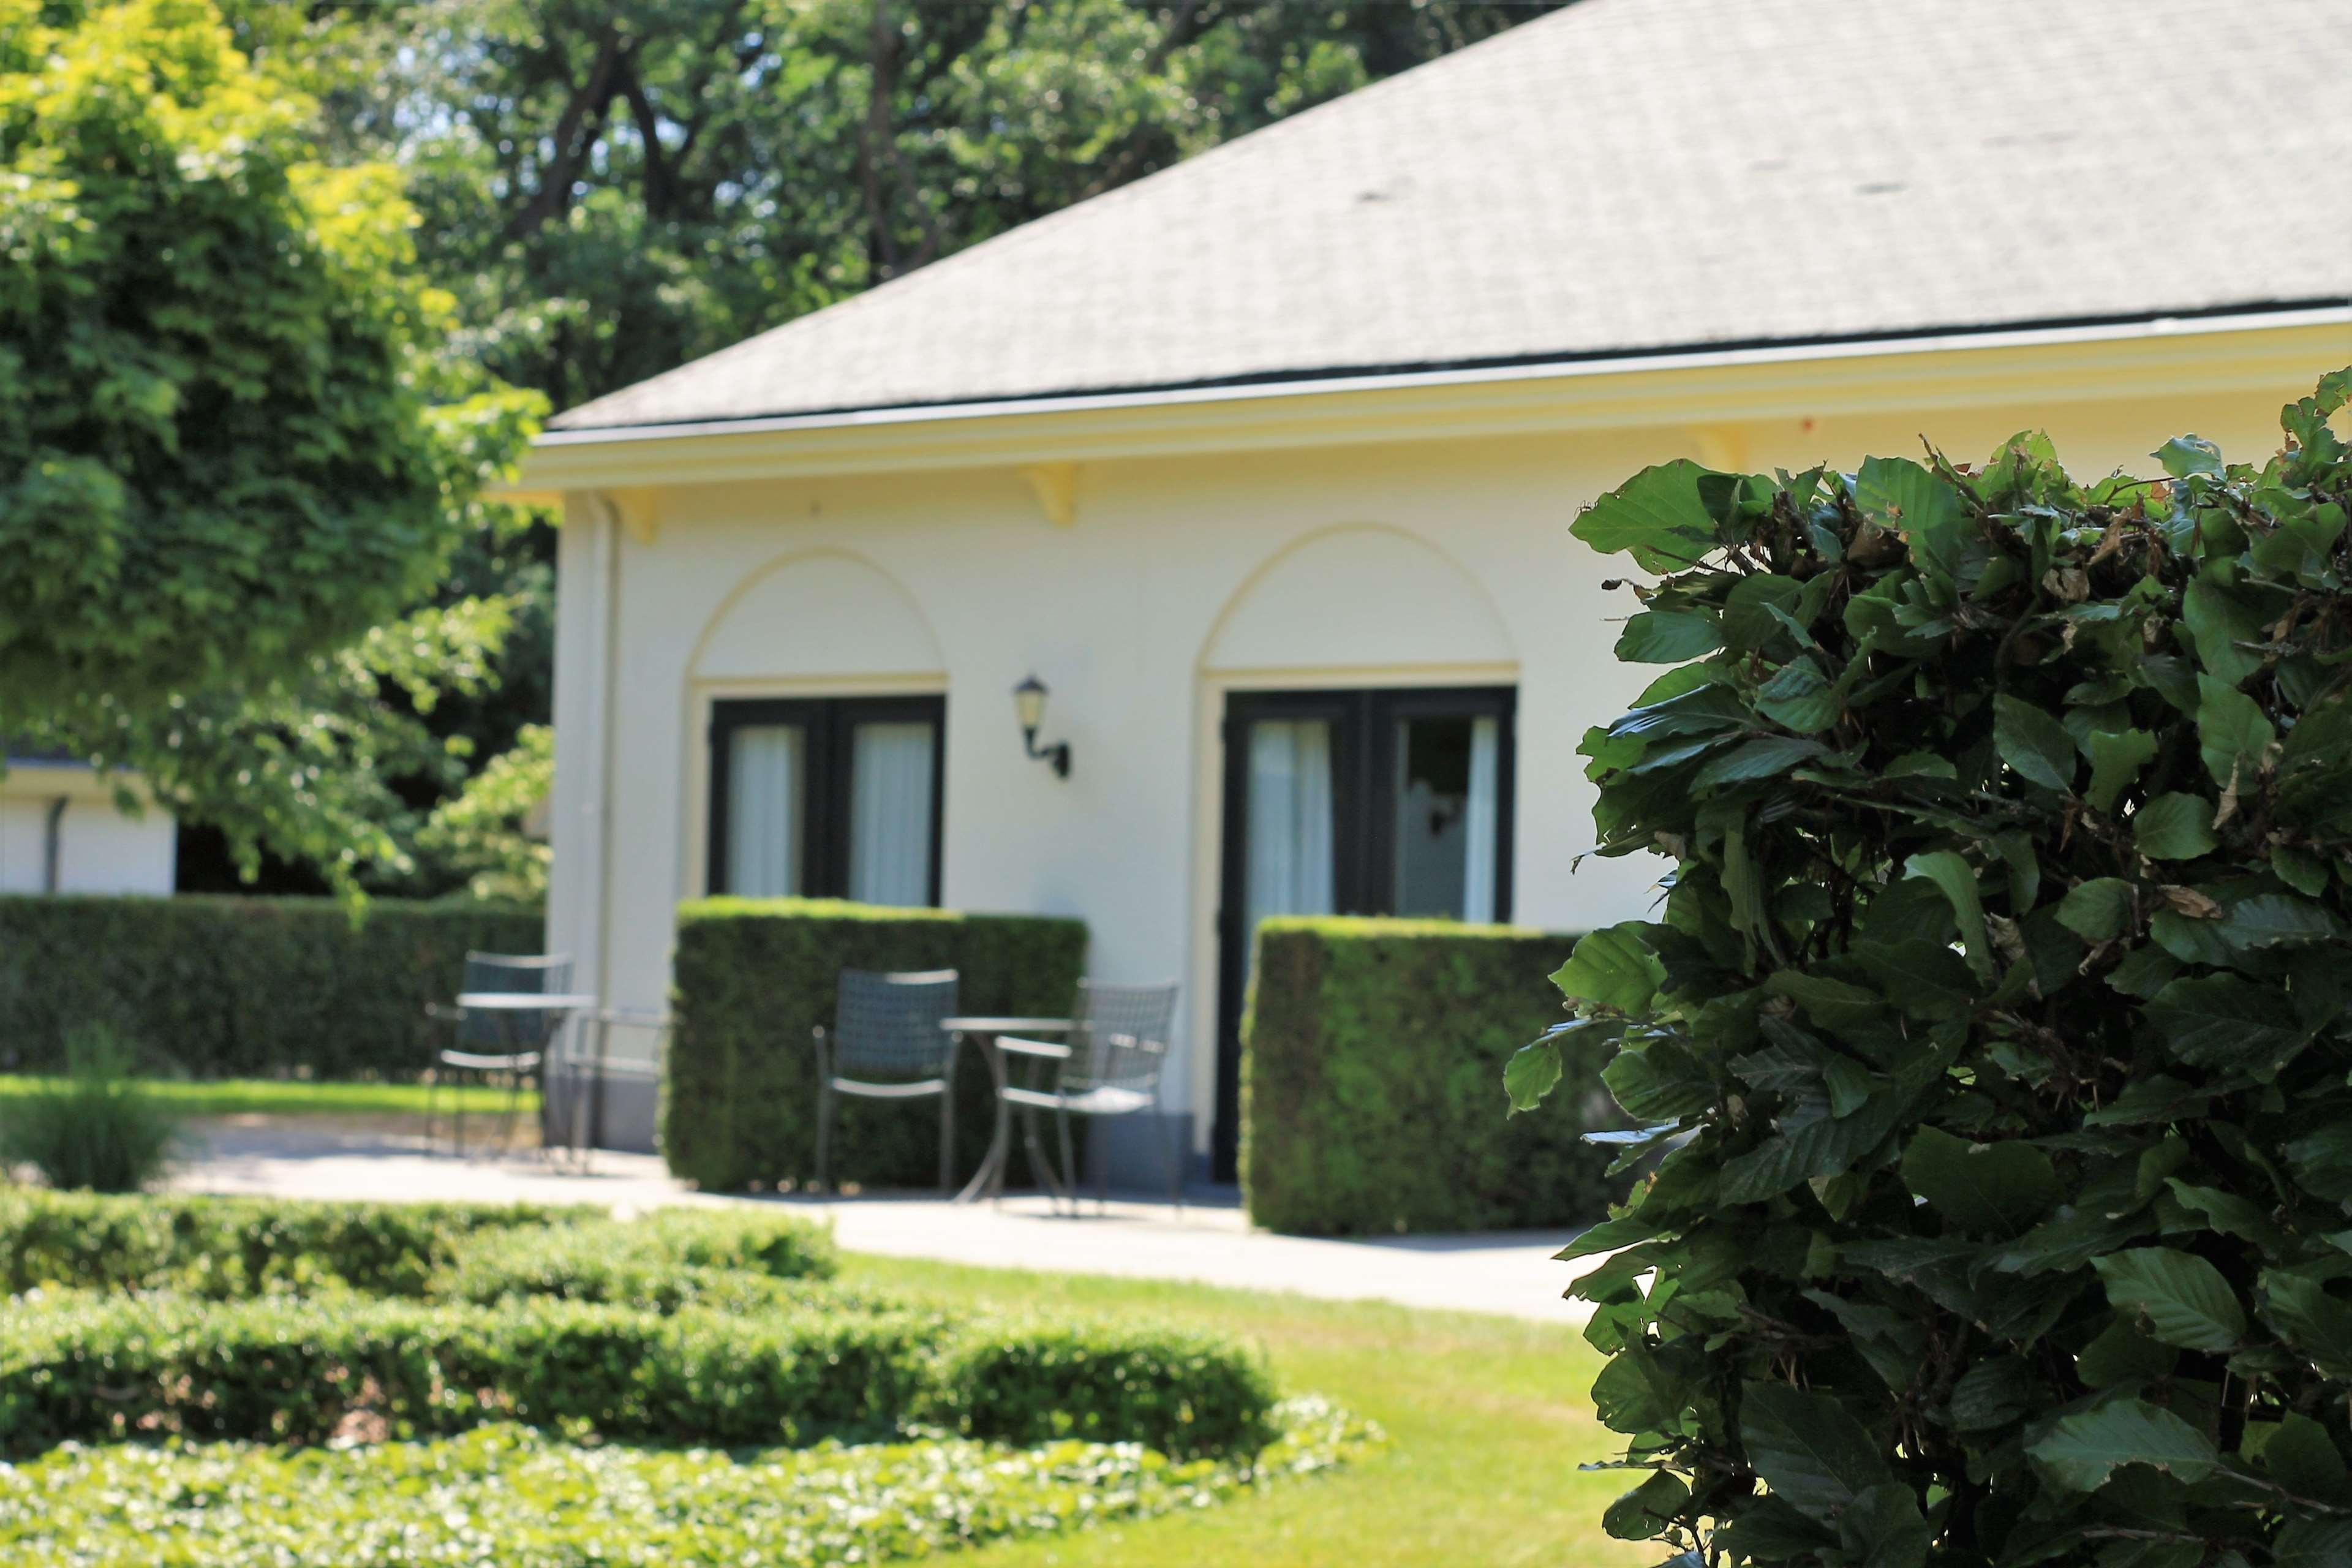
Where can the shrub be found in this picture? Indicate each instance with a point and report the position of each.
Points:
(1998, 1009)
(755, 976)
(1368, 1082)
(226, 1247)
(235, 985)
(300, 1372)
(755, 1264)
(97, 1130)
(1182, 1393)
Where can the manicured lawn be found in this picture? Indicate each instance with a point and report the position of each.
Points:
(274, 1097)
(1487, 1419)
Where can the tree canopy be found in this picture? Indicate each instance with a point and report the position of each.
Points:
(295, 265)
(234, 455)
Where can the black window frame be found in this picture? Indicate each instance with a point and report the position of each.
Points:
(1364, 723)
(830, 725)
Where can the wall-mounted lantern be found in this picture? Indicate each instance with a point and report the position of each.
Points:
(1029, 701)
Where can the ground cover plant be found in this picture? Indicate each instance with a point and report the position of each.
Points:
(1995, 1029)
(557, 1383)
(550, 1504)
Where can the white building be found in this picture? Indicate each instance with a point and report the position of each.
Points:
(1264, 465)
(63, 831)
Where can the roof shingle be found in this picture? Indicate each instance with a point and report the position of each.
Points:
(1632, 175)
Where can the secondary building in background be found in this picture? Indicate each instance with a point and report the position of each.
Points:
(1263, 466)
(63, 830)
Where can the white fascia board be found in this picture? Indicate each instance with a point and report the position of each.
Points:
(2195, 353)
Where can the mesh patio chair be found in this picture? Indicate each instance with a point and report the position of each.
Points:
(509, 1041)
(886, 1043)
(1112, 1066)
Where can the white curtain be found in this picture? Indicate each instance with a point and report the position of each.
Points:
(890, 814)
(1479, 816)
(1289, 819)
(763, 811)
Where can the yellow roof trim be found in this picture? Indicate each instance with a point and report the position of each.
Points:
(2251, 352)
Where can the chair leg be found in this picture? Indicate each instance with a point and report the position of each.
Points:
(457, 1115)
(1069, 1162)
(824, 1137)
(947, 1140)
(1168, 1154)
(432, 1087)
(1102, 1168)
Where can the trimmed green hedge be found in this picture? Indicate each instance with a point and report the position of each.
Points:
(302, 1371)
(292, 1370)
(231, 1246)
(1371, 1052)
(755, 976)
(224, 987)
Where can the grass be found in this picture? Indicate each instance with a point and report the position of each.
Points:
(1488, 1420)
(275, 1097)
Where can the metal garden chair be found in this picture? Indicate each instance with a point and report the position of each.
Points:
(886, 1043)
(1112, 1066)
(491, 1041)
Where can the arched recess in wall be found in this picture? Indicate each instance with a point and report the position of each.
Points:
(818, 616)
(1360, 597)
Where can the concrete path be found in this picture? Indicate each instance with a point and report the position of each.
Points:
(1509, 1272)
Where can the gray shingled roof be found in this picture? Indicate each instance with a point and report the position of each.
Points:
(1630, 175)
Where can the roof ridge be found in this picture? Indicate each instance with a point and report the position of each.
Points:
(1276, 134)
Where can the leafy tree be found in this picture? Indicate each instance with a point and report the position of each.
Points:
(608, 190)
(486, 831)
(231, 463)
(1993, 1049)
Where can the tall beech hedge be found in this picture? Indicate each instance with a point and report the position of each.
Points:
(755, 976)
(228, 988)
(1368, 1082)
(1995, 1023)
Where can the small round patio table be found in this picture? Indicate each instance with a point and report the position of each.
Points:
(988, 1182)
(560, 1005)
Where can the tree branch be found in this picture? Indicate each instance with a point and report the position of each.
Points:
(575, 132)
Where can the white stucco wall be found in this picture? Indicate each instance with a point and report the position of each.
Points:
(101, 849)
(1438, 562)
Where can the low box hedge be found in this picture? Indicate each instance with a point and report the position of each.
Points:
(304, 1370)
(233, 1247)
(225, 987)
(755, 976)
(1371, 1052)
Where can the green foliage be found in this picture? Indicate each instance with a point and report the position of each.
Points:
(535, 1502)
(98, 1129)
(482, 833)
(612, 189)
(233, 1247)
(1996, 1025)
(295, 1370)
(1368, 1082)
(1185, 1393)
(755, 977)
(583, 1264)
(228, 452)
(287, 1369)
(226, 985)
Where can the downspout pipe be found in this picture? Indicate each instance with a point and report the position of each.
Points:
(53, 843)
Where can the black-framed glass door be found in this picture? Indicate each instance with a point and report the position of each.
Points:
(827, 797)
(1356, 802)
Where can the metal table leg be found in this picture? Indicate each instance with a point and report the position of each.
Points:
(988, 1180)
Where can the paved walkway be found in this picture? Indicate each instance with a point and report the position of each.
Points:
(1506, 1272)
